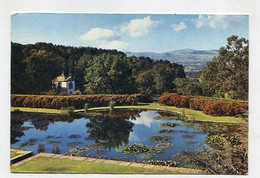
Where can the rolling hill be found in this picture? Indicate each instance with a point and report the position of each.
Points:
(192, 60)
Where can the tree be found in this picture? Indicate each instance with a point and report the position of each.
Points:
(145, 82)
(187, 86)
(108, 74)
(227, 74)
(18, 65)
(34, 66)
(80, 70)
(164, 75)
(42, 66)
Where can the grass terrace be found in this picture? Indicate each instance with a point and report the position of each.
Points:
(14, 153)
(191, 114)
(55, 165)
(221, 99)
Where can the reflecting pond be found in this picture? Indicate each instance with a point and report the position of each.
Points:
(124, 134)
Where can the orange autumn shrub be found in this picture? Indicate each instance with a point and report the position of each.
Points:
(57, 102)
(207, 106)
(173, 99)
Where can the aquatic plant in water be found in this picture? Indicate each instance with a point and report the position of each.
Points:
(139, 148)
(225, 153)
(169, 124)
(74, 136)
(30, 142)
(56, 149)
(161, 131)
(74, 144)
(41, 148)
(54, 142)
(53, 136)
(160, 138)
(170, 163)
(191, 143)
(220, 139)
(188, 136)
(78, 150)
(163, 145)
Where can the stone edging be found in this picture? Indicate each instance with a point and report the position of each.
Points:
(107, 161)
(22, 155)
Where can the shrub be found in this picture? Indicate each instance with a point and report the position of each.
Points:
(51, 92)
(57, 102)
(56, 149)
(173, 99)
(41, 148)
(69, 111)
(86, 107)
(77, 92)
(111, 105)
(207, 106)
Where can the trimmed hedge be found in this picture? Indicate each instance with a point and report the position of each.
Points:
(207, 106)
(58, 102)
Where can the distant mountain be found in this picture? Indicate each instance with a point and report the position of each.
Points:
(192, 60)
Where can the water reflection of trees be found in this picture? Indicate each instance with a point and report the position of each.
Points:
(39, 121)
(16, 130)
(109, 131)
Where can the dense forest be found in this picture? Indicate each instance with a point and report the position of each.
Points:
(95, 70)
(99, 71)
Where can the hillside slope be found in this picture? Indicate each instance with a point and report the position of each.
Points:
(192, 60)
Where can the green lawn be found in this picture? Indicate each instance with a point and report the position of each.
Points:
(41, 110)
(222, 99)
(54, 165)
(196, 115)
(14, 153)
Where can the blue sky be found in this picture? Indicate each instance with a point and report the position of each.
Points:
(129, 32)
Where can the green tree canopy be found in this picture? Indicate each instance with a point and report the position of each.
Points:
(187, 86)
(145, 82)
(108, 73)
(34, 66)
(164, 75)
(227, 74)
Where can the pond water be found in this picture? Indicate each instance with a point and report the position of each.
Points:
(105, 135)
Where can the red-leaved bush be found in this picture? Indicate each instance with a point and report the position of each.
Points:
(57, 102)
(207, 106)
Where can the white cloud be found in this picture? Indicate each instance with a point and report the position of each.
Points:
(178, 27)
(220, 22)
(201, 20)
(140, 27)
(113, 39)
(99, 34)
(104, 38)
(146, 118)
(114, 44)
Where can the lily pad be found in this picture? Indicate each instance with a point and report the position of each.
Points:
(170, 124)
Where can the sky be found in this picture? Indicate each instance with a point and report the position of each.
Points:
(129, 32)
